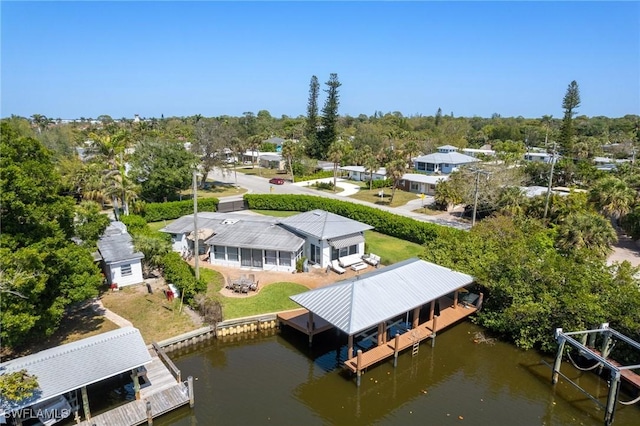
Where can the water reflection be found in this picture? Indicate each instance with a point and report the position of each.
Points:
(278, 379)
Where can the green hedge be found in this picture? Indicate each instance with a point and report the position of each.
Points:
(382, 221)
(153, 212)
(323, 174)
(381, 183)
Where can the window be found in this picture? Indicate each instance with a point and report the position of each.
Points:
(270, 257)
(125, 270)
(353, 249)
(232, 254)
(421, 166)
(335, 253)
(415, 186)
(446, 165)
(431, 167)
(285, 258)
(218, 252)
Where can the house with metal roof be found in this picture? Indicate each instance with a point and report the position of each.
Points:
(64, 372)
(327, 236)
(239, 240)
(446, 160)
(122, 265)
(409, 301)
(360, 173)
(420, 183)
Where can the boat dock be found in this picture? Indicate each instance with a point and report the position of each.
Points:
(448, 316)
(161, 392)
(304, 321)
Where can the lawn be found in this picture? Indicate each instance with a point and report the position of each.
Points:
(272, 298)
(216, 189)
(275, 213)
(155, 226)
(400, 198)
(262, 172)
(391, 249)
(152, 314)
(429, 210)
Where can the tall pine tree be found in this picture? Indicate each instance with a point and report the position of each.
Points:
(311, 125)
(329, 132)
(570, 102)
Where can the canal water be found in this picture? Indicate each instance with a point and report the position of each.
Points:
(275, 378)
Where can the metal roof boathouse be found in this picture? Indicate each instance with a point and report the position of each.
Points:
(386, 311)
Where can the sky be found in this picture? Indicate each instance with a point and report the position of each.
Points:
(85, 59)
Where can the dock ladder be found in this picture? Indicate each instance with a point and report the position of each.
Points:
(416, 342)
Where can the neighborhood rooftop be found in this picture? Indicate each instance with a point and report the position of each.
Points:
(448, 158)
(251, 234)
(369, 299)
(324, 225)
(69, 367)
(213, 220)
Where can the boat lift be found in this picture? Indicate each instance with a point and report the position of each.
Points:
(585, 342)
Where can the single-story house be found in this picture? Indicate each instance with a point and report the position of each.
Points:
(540, 157)
(272, 161)
(474, 152)
(122, 265)
(327, 236)
(534, 191)
(608, 164)
(64, 372)
(250, 156)
(359, 173)
(446, 161)
(269, 243)
(421, 183)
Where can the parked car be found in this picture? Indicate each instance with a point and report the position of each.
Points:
(276, 181)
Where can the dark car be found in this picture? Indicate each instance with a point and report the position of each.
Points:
(276, 181)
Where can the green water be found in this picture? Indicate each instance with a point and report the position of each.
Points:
(276, 379)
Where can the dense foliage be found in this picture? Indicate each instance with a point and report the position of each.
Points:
(17, 386)
(41, 271)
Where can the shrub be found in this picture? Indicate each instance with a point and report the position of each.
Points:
(382, 183)
(178, 272)
(324, 185)
(318, 175)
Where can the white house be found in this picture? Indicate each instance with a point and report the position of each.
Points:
(122, 265)
(270, 243)
(538, 157)
(446, 160)
(421, 183)
(272, 161)
(475, 152)
(327, 236)
(359, 173)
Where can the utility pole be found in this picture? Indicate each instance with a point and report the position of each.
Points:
(475, 199)
(196, 254)
(553, 162)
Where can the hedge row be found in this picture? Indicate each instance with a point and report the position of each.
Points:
(153, 212)
(318, 175)
(382, 221)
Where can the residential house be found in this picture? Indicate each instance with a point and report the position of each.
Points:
(473, 152)
(538, 157)
(421, 183)
(446, 161)
(122, 265)
(276, 141)
(327, 236)
(272, 161)
(359, 173)
(270, 243)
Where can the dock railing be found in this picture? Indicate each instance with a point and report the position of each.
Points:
(167, 362)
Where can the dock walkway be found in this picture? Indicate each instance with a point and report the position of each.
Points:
(448, 316)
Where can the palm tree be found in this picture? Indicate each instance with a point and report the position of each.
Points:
(586, 230)
(254, 143)
(395, 170)
(447, 195)
(370, 163)
(290, 152)
(512, 200)
(613, 198)
(335, 154)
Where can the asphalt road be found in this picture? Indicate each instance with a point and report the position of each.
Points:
(259, 185)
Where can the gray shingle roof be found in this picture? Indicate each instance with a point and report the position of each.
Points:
(422, 178)
(255, 234)
(211, 220)
(448, 158)
(116, 244)
(323, 225)
(365, 301)
(74, 365)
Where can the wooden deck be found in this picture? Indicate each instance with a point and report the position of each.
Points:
(448, 316)
(299, 319)
(628, 375)
(160, 389)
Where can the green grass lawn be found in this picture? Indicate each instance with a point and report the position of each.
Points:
(276, 213)
(390, 249)
(262, 172)
(272, 298)
(400, 198)
(218, 190)
(155, 226)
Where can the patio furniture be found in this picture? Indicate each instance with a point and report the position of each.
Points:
(336, 267)
(372, 259)
(254, 286)
(352, 259)
(359, 266)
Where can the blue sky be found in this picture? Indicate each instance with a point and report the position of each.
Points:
(73, 59)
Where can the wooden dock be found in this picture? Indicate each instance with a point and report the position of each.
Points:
(299, 319)
(448, 316)
(160, 393)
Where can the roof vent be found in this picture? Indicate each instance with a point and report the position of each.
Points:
(229, 221)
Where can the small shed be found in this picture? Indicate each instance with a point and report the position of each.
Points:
(122, 265)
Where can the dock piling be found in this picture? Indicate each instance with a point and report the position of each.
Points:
(149, 414)
(190, 390)
(359, 367)
(396, 349)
